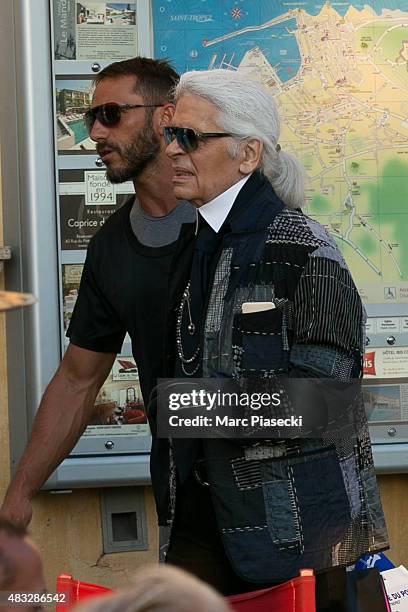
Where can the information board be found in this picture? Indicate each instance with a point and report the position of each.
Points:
(89, 29)
(338, 72)
(88, 35)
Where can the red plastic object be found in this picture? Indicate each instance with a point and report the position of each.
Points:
(297, 595)
(72, 591)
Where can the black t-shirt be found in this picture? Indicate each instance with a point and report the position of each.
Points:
(123, 289)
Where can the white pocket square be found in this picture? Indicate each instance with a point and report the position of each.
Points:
(248, 307)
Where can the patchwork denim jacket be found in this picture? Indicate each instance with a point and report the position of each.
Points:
(284, 505)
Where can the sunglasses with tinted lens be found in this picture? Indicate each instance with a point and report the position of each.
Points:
(109, 114)
(188, 139)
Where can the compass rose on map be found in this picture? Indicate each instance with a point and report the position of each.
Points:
(236, 13)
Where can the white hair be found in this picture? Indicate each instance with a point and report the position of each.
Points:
(247, 110)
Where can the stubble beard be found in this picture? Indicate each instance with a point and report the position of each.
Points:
(136, 156)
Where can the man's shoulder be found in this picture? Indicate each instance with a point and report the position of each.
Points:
(295, 229)
(120, 216)
(292, 225)
(114, 225)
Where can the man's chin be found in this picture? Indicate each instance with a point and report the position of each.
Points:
(117, 175)
(181, 192)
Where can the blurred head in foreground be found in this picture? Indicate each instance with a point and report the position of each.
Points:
(161, 589)
(20, 564)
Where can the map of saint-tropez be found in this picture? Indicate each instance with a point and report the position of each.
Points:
(339, 74)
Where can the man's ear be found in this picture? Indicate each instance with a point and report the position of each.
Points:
(167, 112)
(251, 155)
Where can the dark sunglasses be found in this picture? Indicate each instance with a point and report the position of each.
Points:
(188, 139)
(109, 114)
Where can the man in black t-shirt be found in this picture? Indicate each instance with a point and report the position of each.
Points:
(123, 286)
(124, 280)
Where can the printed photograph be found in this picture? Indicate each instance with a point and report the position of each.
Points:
(382, 402)
(121, 13)
(120, 401)
(91, 13)
(125, 368)
(73, 98)
(104, 13)
(71, 277)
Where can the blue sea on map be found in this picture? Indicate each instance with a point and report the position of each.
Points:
(183, 28)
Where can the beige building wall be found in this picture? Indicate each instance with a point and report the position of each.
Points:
(67, 527)
(394, 495)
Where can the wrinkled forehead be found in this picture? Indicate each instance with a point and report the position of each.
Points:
(197, 113)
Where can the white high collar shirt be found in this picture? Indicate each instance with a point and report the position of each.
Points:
(216, 211)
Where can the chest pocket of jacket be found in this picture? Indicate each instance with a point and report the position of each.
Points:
(258, 342)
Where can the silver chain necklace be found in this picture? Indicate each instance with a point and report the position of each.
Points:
(191, 328)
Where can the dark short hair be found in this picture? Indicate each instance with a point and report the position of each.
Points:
(154, 79)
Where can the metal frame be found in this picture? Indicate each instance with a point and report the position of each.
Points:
(88, 446)
(29, 218)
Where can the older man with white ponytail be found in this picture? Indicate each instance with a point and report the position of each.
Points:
(268, 294)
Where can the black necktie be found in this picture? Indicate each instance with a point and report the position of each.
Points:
(202, 267)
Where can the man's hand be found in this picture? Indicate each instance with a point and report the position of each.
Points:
(65, 410)
(18, 511)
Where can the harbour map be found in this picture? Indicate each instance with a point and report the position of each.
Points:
(339, 74)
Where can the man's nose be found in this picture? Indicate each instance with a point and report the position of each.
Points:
(98, 131)
(174, 149)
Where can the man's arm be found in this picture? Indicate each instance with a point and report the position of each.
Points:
(65, 410)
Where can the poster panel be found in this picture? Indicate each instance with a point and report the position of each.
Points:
(119, 405)
(94, 30)
(87, 200)
(385, 386)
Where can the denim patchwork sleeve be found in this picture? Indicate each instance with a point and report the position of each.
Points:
(329, 319)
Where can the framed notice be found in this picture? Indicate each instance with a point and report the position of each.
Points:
(87, 200)
(385, 385)
(91, 29)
